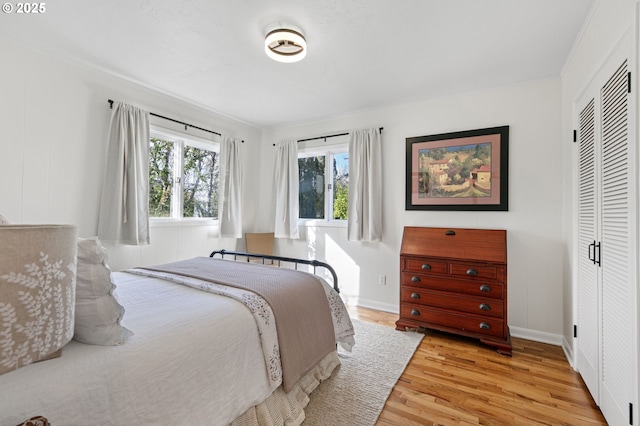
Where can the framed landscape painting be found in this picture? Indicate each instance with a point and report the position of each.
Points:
(466, 170)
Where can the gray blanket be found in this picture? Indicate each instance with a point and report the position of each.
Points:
(297, 299)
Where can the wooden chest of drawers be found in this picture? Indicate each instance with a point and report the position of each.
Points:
(455, 280)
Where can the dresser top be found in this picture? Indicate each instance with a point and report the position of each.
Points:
(487, 245)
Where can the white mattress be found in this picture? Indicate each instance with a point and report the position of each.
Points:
(173, 371)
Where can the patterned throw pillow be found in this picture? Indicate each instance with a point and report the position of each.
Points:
(37, 292)
(3, 220)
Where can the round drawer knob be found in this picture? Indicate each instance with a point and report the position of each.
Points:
(415, 312)
(485, 307)
(485, 288)
(415, 279)
(485, 326)
(426, 266)
(472, 272)
(415, 296)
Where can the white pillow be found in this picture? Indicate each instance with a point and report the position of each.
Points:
(98, 313)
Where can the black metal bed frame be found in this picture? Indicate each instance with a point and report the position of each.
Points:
(280, 259)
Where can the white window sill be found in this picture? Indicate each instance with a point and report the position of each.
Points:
(162, 222)
(319, 223)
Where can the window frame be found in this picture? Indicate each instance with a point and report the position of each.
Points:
(329, 151)
(180, 140)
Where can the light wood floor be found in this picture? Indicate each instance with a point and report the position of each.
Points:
(452, 380)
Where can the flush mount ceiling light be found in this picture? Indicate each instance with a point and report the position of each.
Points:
(285, 43)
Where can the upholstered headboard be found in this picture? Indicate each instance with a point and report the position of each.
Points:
(37, 292)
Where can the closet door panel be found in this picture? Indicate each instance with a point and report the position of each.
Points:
(618, 249)
(588, 344)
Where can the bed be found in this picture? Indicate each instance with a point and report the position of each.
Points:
(196, 352)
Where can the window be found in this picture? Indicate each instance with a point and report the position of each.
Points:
(183, 176)
(324, 183)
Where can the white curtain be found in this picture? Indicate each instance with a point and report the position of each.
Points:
(286, 181)
(230, 189)
(365, 186)
(124, 207)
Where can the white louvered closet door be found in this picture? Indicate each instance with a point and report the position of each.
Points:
(618, 250)
(607, 235)
(588, 343)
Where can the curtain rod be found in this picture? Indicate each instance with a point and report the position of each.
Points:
(175, 121)
(326, 136)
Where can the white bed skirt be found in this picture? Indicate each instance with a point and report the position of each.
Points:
(282, 408)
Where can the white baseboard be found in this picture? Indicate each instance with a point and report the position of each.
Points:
(385, 307)
(568, 352)
(536, 336)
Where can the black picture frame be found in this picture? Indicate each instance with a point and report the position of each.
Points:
(466, 170)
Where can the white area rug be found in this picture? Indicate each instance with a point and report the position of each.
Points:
(356, 392)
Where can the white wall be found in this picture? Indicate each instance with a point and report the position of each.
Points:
(608, 22)
(54, 120)
(533, 222)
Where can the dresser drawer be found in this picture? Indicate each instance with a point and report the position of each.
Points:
(437, 299)
(426, 265)
(469, 323)
(454, 285)
(471, 270)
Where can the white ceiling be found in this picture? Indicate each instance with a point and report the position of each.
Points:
(361, 53)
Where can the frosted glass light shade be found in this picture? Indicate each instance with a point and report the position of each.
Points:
(285, 45)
